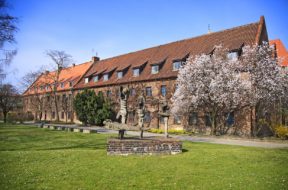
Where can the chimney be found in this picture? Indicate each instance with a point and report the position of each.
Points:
(73, 64)
(95, 59)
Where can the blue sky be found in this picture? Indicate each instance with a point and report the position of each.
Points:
(110, 27)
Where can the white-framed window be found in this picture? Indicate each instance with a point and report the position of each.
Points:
(96, 78)
(106, 77)
(120, 74)
(136, 72)
(155, 69)
(232, 55)
(62, 85)
(86, 80)
(177, 65)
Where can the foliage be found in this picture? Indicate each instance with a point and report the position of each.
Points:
(69, 160)
(91, 108)
(281, 131)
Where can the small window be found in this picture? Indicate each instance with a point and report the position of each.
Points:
(106, 77)
(96, 78)
(208, 120)
(193, 118)
(163, 90)
(177, 119)
(69, 115)
(47, 87)
(232, 55)
(62, 85)
(108, 93)
(147, 117)
(41, 87)
(86, 80)
(148, 91)
(70, 83)
(120, 74)
(132, 92)
(177, 65)
(230, 119)
(161, 119)
(136, 72)
(155, 69)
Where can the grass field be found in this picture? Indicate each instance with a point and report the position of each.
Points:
(34, 158)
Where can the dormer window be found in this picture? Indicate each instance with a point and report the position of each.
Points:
(41, 87)
(47, 87)
(136, 72)
(233, 55)
(105, 77)
(120, 74)
(96, 78)
(70, 83)
(62, 85)
(154, 69)
(177, 65)
(86, 80)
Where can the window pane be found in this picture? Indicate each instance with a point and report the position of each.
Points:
(86, 80)
(120, 74)
(136, 72)
(96, 78)
(106, 76)
(155, 69)
(177, 120)
(148, 91)
(193, 118)
(163, 90)
(176, 65)
(232, 55)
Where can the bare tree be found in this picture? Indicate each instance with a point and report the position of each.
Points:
(60, 60)
(7, 35)
(8, 99)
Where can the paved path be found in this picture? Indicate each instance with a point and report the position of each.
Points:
(214, 140)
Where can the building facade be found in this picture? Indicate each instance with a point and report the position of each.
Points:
(153, 72)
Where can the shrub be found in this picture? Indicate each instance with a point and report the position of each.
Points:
(91, 108)
(281, 131)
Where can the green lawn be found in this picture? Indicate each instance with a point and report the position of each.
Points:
(34, 158)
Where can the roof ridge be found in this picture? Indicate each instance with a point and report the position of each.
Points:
(157, 46)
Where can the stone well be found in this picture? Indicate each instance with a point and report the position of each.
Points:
(145, 146)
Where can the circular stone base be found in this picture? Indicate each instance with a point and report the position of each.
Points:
(145, 146)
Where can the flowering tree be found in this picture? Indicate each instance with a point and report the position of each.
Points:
(267, 81)
(212, 84)
(218, 85)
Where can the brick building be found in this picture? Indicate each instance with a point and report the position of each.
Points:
(153, 72)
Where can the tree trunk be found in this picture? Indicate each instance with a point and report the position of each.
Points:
(213, 123)
(56, 107)
(5, 116)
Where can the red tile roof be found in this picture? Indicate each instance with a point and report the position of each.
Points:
(70, 74)
(230, 38)
(281, 51)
